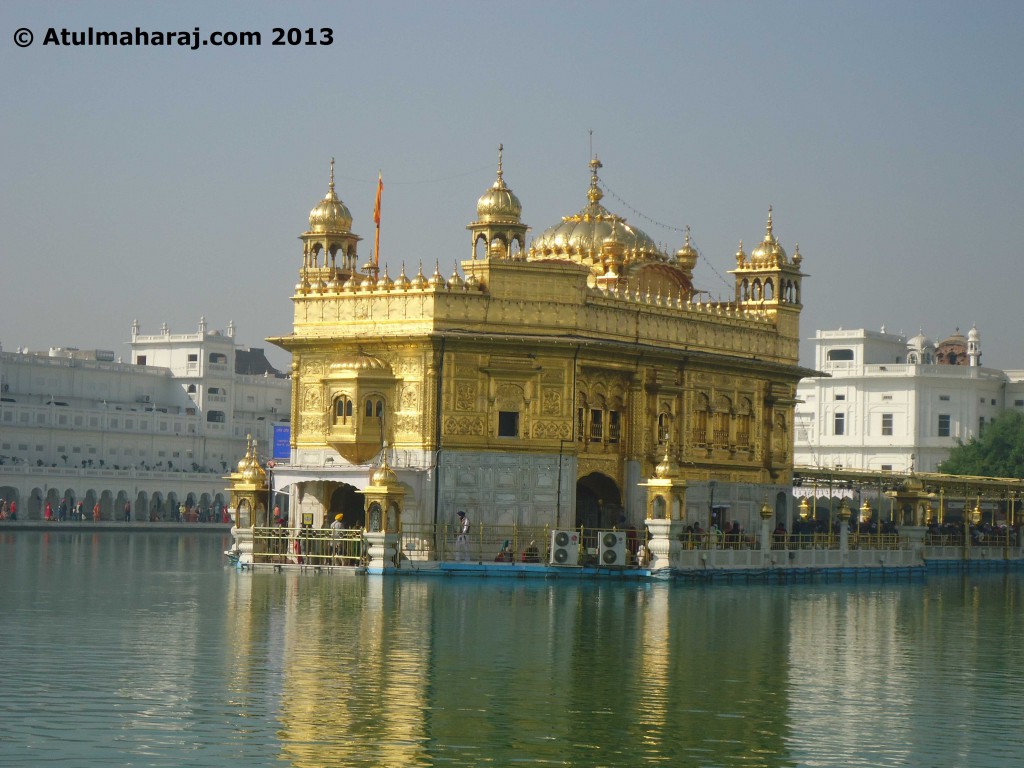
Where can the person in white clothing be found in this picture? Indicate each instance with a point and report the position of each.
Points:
(462, 538)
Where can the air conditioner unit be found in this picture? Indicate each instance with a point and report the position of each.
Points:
(612, 549)
(565, 548)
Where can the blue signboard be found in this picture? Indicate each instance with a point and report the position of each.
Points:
(282, 442)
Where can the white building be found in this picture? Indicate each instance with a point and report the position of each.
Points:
(892, 403)
(161, 429)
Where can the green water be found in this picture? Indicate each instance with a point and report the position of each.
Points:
(143, 649)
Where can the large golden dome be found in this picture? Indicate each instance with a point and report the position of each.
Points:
(583, 234)
(768, 252)
(499, 204)
(330, 214)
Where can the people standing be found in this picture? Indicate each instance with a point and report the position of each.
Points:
(96, 512)
(336, 527)
(48, 512)
(127, 511)
(462, 538)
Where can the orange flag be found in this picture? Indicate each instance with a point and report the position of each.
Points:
(376, 207)
(376, 219)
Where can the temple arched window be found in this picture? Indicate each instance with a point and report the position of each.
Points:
(664, 427)
(342, 410)
(374, 408)
(700, 420)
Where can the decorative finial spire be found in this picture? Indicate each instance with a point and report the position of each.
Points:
(500, 148)
(768, 232)
(687, 235)
(330, 187)
(594, 194)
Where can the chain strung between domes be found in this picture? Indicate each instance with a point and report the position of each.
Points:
(657, 223)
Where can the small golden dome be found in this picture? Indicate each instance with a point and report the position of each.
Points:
(419, 282)
(384, 282)
(472, 281)
(383, 475)
(768, 252)
(687, 255)
(456, 281)
(402, 282)
(330, 214)
(436, 281)
(667, 467)
(499, 203)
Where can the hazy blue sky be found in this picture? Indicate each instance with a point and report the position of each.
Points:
(165, 183)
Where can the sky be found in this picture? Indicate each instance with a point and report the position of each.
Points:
(166, 184)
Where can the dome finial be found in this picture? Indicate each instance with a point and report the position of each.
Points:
(330, 186)
(768, 231)
(594, 194)
(500, 148)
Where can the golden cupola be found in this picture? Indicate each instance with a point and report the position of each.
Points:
(328, 246)
(768, 252)
(499, 203)
(330, 214)
(498, 220)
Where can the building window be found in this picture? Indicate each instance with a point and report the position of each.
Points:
(993, 401)
(887, 424)
(840, 354)
(140, 360)
(887, 397)
(342, 410)
(1018, 403)
(887, 467)
(839, 424)
(374, 408)
(613, 426)
(943, 425)
(581, 424)
(664, 428)
(840, 397)
(216, 417)
(981, 425)
(596, 425)
(191, 389)
(508, 423)
(193, 358)
(944, 398)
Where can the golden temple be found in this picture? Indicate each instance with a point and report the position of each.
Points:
(544, 383)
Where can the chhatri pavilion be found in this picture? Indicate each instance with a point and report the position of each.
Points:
(544, 381)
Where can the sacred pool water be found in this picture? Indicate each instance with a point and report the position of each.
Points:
(144, 649)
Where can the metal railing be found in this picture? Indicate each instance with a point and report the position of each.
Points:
(531, 544)
(322, 546)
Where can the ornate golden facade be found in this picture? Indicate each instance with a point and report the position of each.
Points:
(544, 383)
